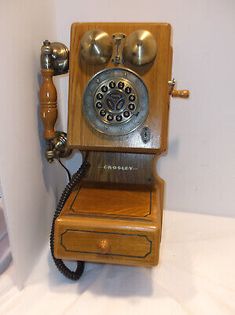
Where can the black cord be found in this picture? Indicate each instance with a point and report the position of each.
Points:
(76, 178)
(67, 171)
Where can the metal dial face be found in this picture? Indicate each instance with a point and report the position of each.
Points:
(115, 101)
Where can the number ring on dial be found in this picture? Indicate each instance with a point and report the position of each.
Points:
(115, 101)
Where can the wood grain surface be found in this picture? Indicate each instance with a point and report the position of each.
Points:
(105, 201)
(121, 168)
(122, 229)
(155, 76)
(48, 102)
(115, 214)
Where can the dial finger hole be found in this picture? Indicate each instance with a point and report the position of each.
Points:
(128, 90)
(98, 105)
(132, 97)
(131, 106)
(110, 117)
(102, 112)
(99, 96)
(104, 88)
(112, 84)
(120, 85)
(118, 118)
(126, 114)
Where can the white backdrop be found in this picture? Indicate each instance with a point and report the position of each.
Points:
(29, 185)
(200, 166)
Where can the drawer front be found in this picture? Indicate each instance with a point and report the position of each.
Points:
(106, 243)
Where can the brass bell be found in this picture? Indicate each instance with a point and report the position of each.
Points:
(96, 47)
(140, 48)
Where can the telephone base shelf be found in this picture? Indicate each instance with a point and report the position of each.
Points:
(111, 225)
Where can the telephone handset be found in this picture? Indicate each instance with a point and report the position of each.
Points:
(119, 88)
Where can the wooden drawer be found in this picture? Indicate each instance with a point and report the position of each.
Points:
(106, 243)
(98, 240)
(108, 234)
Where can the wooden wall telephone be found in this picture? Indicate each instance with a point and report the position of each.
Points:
(119, 89)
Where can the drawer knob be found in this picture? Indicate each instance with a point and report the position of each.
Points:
(104, 245)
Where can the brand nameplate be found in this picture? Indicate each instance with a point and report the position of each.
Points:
(118, 167)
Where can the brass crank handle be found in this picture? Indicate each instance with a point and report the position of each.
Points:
(177, 93)
(180, 93)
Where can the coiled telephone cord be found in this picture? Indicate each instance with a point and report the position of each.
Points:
(75, 180)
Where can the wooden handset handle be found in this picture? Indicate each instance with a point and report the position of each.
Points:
(48, 102)
(54, 61)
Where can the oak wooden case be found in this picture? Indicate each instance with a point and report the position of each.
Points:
(111, 225)
(155, 76)
(115, 215)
